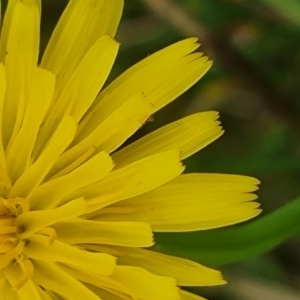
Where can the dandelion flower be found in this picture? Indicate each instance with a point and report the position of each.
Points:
(76, 213)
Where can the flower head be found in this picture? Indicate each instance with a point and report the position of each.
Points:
(76, 213)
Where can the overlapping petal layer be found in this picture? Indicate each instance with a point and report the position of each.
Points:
(76, 213)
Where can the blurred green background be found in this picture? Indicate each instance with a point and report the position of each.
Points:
(255, 85)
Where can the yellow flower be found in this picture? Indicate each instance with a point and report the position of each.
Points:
(75, 213)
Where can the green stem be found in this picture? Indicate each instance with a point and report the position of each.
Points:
(226, 245)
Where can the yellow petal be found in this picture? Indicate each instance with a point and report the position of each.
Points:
(92, 73)
(50, 194)
(22, 31)
(159, 76)
(84, 85)
(8, 293)
(130, 283)
(189, 296)
(132, 180)
(99, 263)
(51, 277)
(29, 291)
(81, 25)
(34, 175)
(190, 202)
(42, 87)
(2, 97)
(164, 57)
(44, 295)
(186, 272)
(110, 133)
(137, 106)
(146, 285)
(33, 221)
(6, 28)
(6, 25)
(189, 135)
(20, 279)
(132, 234)
(106, 283)
(109, 295)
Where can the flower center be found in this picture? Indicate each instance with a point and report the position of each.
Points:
(11, 245)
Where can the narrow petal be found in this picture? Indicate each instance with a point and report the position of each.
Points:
(29, 291)
(110, 285)
(131, 234)
(50, 194)
(189, 296)
(7, 292)
(35, 174)
(20, 281)
(186, 272)
(190, 202)
(44, 294)
(172, 53)
(84, 85)
(81, 25)
(110, 133)
(93, 72)
(159, 76)
(108, 295)
(146, 285)
(51, 277)
(2, 97)
(33, 221)
(7, 24)
(21, 32)
(6, 28)
(132, 180)
(189, 135)
(42, 87)
(99, 263)
(131, 283)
